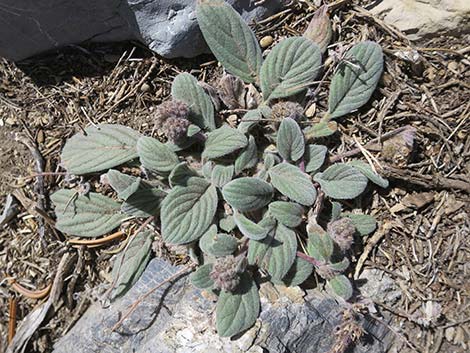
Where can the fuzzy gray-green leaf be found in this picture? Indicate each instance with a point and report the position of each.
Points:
(341, 286)
(237, 311)
(314, 157)
(250, 229)
(230, 39)
(247, 194)
(364, 224)
(250, 120)
(156, 156)
(341, 181)
(293, 183)
(201, 277)
(289, 68)
(290, 140)
(180, 175)
(104, 146)
(217, 244)
(125, 185)
(288, 213)
(187, 211)
(298, 273)
(365, 169)
(130, 264)
(223, 141)
(248, 157)
(222, 174)
(320, 246)
(281, 253)
(355, 79)
(145, 202)
(227, 223)
(88, 215)
(186, 88)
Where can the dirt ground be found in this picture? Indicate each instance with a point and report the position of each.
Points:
(424, 237)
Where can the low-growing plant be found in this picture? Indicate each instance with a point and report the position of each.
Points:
(254, 199)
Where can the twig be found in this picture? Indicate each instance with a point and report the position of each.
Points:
(99, 241)
(147, 294)
(11, 319)
(308, 259)
(37, 294)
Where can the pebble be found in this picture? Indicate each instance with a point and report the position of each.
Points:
(40, 138)
(310, 112)
(266, 41)
(145, 87)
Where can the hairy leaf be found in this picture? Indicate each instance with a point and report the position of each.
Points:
(187, 211)
(257, 249)
(102, 147)
(363, 223)
(290, 140)
(88, 215)
(227, 224)
(341, 181)
(145, 202)
(237, 311)
(281, 253)
(341, 286)
(217, 244)
(294, 184)
(222, 174)
(253, 230)
(320, 246)
(201, 277)
(125, 185)
(288, 213)
(365, 169)
(298, 273)
(156, 156)
(336, 209)
(250, 120)
(223, 141)
(186, 88)
(130, 264)
(180, 175)
(355, 79)
(321, 129)
(248, 157)
(247, 194)
(289, 68)
(230, 39)
(314, 157)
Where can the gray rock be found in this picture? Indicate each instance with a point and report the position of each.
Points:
(168, 27)
(421, 19)
(379, 286)
(179, 319)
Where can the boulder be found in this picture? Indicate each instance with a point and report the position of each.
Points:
(168, 27)
(421, 19)
(177, 318)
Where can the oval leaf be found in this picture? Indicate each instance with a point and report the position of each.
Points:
(248, 157)
(281, 253)
(187, 211)
(180, 175)
(298, 273)
(290, 140)
(314, 157)
(186, 88)
(237, 311)
(217, 244)
(355, 79)
(222, 174)
(201, 277)
(288, 213)
(320, 246)
(341, 286)
(365, 169)
(341, 181)
(247, 194)
(250, 120)
(125, 185)
(250, 229)
(230, 39)
(130, 264)
(363, 223)
(88, 215)
(145, 202)
(156, 156)
(294, 184)
(104, 146)
(223, 141)
(289, 68)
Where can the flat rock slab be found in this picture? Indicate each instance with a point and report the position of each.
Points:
(168, 27)
(178, 318)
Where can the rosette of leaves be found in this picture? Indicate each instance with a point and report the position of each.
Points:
(243, 195)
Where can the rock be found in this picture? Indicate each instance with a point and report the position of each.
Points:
(425, 18)
(178, 318)
(168, 27)
(379, 286)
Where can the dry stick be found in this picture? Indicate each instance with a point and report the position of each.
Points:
(12, 319)
(99, 241)
(147, 294)
(355, 151)
(37, 294)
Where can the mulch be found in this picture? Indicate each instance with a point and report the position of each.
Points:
(423, 240)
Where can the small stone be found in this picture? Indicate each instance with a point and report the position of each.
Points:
(232, 120)
(145, 87)
(310, 112)
(266, 41)
(453, 66)
(449, 334)
(40, 138)
(10, 121)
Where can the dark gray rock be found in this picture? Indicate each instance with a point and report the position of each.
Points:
(168, 27)
(179, 319)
